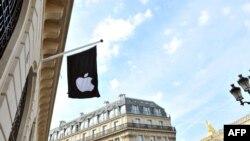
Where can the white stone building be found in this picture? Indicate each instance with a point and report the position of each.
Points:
(126, 119)
(29, 31)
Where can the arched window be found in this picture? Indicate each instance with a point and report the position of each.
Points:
(24, 104)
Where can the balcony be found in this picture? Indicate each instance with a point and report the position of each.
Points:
(128, 126)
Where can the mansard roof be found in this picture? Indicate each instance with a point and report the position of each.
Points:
(127, 101)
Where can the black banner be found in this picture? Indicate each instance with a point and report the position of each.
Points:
(82, 74)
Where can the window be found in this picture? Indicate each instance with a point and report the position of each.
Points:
(117, 139)
(90, 121)
(94, 133)
(82, 125)
(153, 138)
(146, 110)
(76, 138)
(74, 128)
(165, 139)
(104, 129)
(137, 122)
(149, 123)
(95, 119)
(61, 133)
(140, 138)
(68, 130)
(157, 112)
(88, 124)
(53, 136)
(106, 115)
(112, 113)
(116, 124)
(123, 109)
(101, 118)
(77, 128)
(117, 111)
(161, 124)
(135, 109)
(84, 137)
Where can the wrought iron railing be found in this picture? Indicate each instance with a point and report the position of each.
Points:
(9, 14)
(19, 114)
(125, 126)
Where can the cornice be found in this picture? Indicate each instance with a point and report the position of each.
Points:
(55, 28)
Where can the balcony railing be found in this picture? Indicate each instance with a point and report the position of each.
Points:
(9, 14)
(125, 126)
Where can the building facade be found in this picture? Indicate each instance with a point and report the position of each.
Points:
(30, 30)
(219, 135)
(126, 119)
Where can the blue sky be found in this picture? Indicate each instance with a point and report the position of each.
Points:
(181, 54)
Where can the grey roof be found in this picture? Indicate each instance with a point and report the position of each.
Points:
(128, 102)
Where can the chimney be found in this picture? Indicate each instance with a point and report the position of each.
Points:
(82, 114)
(62, 122)
(106, 103)
(122, 96)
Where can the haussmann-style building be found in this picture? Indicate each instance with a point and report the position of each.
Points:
(126, 119)
(30, 30)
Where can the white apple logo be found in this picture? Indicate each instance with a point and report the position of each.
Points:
(84, 84)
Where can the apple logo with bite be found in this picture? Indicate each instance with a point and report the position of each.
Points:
(84, 84)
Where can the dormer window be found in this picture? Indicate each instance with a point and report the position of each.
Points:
(117, 111)
(135, 109)
(123, 109)
(95, 119)
(112, 113)
(157, 112)
(146, 110)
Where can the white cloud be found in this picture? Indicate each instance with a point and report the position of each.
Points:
(246, 8)
(113, 30)
(102, 68)
(144, 2)
(141, 17)
(247, 24)
(204, 17)
(173, 46)
(157, 97)
(114, 84)
(115, 50)
(168, 31)
(226, 10)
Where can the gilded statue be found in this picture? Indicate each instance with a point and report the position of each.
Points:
(210, 128)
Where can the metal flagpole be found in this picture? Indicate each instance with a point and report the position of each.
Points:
(62, 53)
